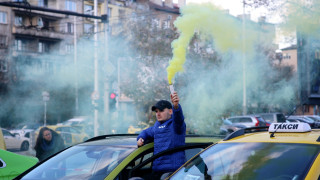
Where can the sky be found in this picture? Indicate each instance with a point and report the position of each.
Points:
(235, 8)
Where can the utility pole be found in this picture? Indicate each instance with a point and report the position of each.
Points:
(107, 79)
(96, 87)
(75, 61)
(244, 105)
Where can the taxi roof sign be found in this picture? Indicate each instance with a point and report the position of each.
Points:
(289, 127)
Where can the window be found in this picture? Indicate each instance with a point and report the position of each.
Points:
(18, 21)
(70, 28)
(88, 9)
(40, 22)
(109, 12)
(18, 45)
(43, 47)
(155, 23)
(3, 17)
(3, 66)
(122, 12)
(287, 56)
(166, 24)
(88, 28)
(234, 160)
(43, 3)
(69, 48)
(3, 41)
(317, 54)
(71, 5)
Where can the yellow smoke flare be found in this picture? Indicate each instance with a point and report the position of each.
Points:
(208, 20)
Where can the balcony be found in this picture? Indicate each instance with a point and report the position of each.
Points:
(43, 33)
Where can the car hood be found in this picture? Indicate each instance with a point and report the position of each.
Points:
(14, 164)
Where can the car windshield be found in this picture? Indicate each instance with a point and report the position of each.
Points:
(250, 161)
(81, 162)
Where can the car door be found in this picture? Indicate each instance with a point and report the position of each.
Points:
(76, 135)
(142, 165)
(66, 135)
(11, 141)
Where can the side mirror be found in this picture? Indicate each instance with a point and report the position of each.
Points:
(16, 135)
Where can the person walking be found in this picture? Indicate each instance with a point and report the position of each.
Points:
(48, 143)
(168, 132)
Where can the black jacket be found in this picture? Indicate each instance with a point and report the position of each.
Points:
(44, 151)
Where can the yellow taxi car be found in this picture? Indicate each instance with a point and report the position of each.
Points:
(2, 142)
(109, 157)
(137, 129)
(69, 134)
(282, 151)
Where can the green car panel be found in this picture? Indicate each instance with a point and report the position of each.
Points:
(13, 164)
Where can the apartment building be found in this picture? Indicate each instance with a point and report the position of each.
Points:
(27, 34)
(289, 57)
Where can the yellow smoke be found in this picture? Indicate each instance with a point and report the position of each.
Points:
(210, 21)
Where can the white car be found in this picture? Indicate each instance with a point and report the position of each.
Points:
(15, 141)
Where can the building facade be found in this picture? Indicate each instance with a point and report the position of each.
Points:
(308, 49)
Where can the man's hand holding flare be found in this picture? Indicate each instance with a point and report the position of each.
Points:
(175, 99)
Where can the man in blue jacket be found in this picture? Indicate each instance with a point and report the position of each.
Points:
(168, 132)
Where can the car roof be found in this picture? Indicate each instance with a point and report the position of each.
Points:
(250, 115)
(311, 137)
(114, 141)
(131, 139)
(269, 113)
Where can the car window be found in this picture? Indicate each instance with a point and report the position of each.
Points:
(281, 118)
(245, 120)
(27, 135)
(65, 129)
(81, 162)
(261, 119)
(138, 171)
(143, 158)
(75, 131)
(7, 133)
(234, 120)
(250, 161)
(268, 117)
(227, 122)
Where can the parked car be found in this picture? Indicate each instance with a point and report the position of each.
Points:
(81, 123)
(15, 141)
(108, 157)
(2, 142)
(228, 127)
(273, 117)
(70, 134)
(310, 121)
(137, 129)
(25, 129)
(314, 117)
(12, 164)
(248, 120)
(283, 151)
